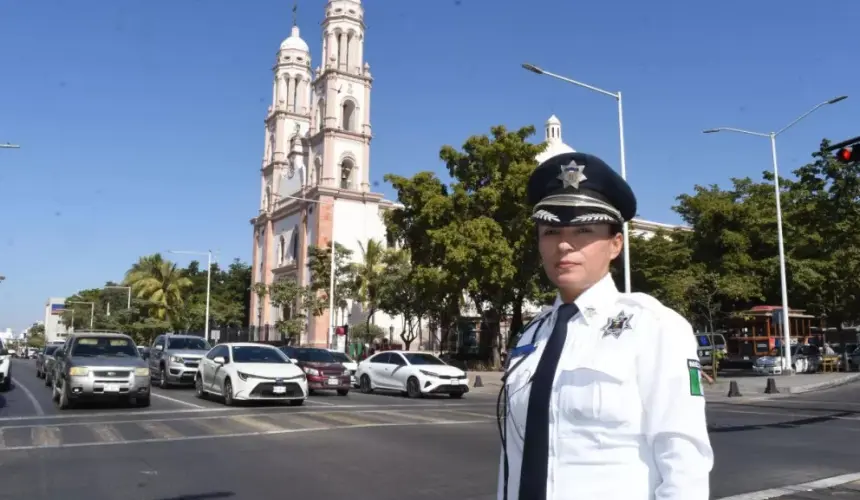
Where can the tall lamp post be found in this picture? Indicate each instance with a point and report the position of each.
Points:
(617, 97)
(331, 270)
(786, 335)
(92, 310)
(208, 255)
(117, 287)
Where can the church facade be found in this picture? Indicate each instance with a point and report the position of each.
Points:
(315, 183)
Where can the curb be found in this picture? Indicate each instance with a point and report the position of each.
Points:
(824, 385)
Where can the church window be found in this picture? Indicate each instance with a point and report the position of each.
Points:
(348, 115)
(294, 243)
(281, 250)
(346, 170)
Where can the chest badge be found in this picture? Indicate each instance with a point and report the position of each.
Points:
(617, 325)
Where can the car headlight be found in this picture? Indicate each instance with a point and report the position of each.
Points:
(141, 372)
(176, 359)
(429, 374)
(346, 373)
(243, 376)
(312, 371)
(78, 371)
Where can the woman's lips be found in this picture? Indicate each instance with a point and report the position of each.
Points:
(566, 265)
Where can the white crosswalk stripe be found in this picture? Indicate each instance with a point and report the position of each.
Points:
(202, 426)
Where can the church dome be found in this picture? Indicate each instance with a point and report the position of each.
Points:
(295, 42)
(554, 143)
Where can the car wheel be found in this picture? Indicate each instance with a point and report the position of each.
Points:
(64, 402)
(343, 392)
(163, 383)
(296, 402)
(364, 385)
(7, 382)
(228, 393)
(198, 387)
(413, 388)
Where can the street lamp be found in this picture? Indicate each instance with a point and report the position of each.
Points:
(92, 310)
(786, 337)
(208, 255)
(617, 97)
(117, 287)
(331, 271)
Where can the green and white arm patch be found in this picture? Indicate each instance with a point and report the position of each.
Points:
(694, 369)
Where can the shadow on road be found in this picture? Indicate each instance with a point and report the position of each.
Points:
(790, 424)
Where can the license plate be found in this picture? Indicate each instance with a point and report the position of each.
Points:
(333, 381)
(279, 389)
(112, 388)
(454, 381)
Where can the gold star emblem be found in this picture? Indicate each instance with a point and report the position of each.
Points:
(572, 174)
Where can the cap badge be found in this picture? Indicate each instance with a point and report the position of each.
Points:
(617, 325)
(572, 174)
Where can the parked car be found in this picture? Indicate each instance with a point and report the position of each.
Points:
(324, 372)
(250, 371)
(413, 373)
(100, 366)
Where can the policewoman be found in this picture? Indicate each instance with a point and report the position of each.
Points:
(602, 397)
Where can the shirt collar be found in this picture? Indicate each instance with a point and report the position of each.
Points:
(595, 302)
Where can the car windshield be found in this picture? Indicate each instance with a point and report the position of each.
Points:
(314, 355)
(341, 357)
(422, 359)
(188, 343)
(258, 354)
(116, 347)
(49, 350)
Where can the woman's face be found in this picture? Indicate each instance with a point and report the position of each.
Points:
(574, 258)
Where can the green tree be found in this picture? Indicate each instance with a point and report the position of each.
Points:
(297, 304)
(163, 284)
(319, 262)
(36, 329)
(400, 295)
(369, 275)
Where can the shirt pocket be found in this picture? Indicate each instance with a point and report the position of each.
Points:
(595, 392)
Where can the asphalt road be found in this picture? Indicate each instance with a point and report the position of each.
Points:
(356, 447)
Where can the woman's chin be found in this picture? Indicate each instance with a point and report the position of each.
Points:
(568, 278)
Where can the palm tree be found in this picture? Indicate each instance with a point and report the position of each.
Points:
(160, 282)
(368, 275)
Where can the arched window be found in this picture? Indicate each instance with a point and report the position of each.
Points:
(281, 250)
(294, 244)
(318, 171)
(347, 167)
(348, 115)
(320, 115)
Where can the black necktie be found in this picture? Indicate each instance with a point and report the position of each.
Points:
(533, 473)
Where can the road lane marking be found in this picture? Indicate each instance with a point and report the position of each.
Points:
(318, 402)
(413, 416)
(794, 414)
(255, 423)
(45, 437)
(193, 411)
(248, 434)
(159, 430)
(106, 433)
(177, 401)
(219, 425)
(344, 418)
(784, 491)
(36, 406)
(470, 413)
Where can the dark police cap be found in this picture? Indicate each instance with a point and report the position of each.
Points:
(573, 189)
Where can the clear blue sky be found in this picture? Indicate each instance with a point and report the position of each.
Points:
(141, 123)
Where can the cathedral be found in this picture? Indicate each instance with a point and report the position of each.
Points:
(315, 172)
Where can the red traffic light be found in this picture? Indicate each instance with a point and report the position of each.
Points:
(848, 154)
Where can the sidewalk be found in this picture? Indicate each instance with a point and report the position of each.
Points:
(846, 487)
(751, 386)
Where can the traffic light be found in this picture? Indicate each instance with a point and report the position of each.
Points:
(849, 154)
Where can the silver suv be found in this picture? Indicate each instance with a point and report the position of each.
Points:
(173, 359)
(98, 366)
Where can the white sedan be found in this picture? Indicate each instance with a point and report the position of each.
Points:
(414, 373)
(250, 371)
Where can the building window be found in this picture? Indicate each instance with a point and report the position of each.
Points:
(348, 116)
(281, 250)
(346, 172)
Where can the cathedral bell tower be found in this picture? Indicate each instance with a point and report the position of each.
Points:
(341, 128)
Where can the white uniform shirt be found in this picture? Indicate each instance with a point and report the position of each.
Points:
(627, 415)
